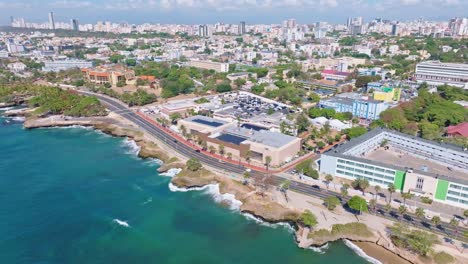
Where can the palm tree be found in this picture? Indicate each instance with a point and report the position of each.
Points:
(402, 209)
(373, 203)
(405, 196)
(212, 149)
(221, 149)
(229, 155)
(344, 190)
(391, 189)
(364, 185)
(420, 212)
(267, 162)
(388, 207)
(204, 145)
(246, 177)
(183, 130)
(248, 155)
(436, 220)
(328, 179)
(454, 222)
(377, 189)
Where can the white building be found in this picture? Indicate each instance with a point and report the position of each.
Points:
(16, 67)
(438, 73)
(59, 65)
(3, 54)
(210, 65)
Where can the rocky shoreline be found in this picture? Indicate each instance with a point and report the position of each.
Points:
(259, 205)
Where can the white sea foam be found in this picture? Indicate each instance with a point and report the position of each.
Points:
(153, 161)
(171, 172)
(120, 222)
(361, 252)
(320, 250)
(148, 201)
(7, 108)
(213, 191)
(130, 146)
(17, 118)
(79, 126)
(259, 221)
(174, 188)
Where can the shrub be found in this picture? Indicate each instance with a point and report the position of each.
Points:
(308, 219)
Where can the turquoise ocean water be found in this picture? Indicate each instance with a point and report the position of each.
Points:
(74, 195)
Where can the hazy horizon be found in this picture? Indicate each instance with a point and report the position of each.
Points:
(212, 11)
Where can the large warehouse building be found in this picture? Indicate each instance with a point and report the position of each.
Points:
(425, 168)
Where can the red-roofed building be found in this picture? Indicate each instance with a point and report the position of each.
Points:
(334, 75)
(458, 130)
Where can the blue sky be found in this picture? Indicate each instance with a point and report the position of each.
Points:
(229, 11)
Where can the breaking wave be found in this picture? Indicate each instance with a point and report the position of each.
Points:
(320, 250)
(120, 222)
(213, 191)
(259, 221)
(130, 146)
(361, 252)
(171, 172)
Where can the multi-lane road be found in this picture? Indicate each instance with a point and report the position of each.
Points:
(123, 110)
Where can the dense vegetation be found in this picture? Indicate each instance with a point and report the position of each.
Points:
(177, 80)
(417, 241)
(53, 100)
(140, 97)
(428, 114)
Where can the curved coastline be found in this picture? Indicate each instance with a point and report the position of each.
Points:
(252, 204)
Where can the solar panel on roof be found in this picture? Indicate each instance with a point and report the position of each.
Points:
(208, 123)
(231, 138)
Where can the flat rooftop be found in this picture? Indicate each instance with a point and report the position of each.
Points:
(399, 159)
(405, 159)
(265, 137)
(205, 120)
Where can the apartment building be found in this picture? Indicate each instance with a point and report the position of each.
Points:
(111, 75)
(368, 109)
(438, 73)
(210, 65)
(425, 168)
(62, 65)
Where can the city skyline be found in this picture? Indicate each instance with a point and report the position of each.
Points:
(210, 11)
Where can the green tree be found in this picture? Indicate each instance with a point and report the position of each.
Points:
(436, 220)
(223, 87)
(302, 123)
(130, 62)
(331, 202)
(267, 162)
(358, 204)
(308, 219)
(174, 117)
(355, 132)
(193, 164)
(420, 213)
(406, 196)
(328, 179)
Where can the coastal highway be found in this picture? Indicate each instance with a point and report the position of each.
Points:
(123, 110)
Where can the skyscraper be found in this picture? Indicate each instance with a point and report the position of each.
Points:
(241, 28)
(51, 21)
(74, 24)
(203, 31)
